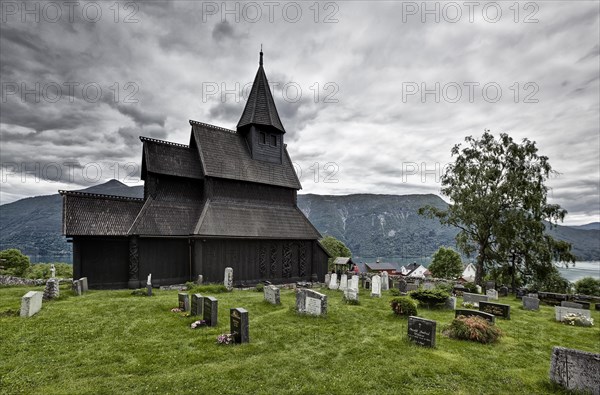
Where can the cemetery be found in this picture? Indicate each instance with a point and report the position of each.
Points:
(299, 329)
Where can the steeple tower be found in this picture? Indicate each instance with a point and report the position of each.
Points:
(260, 123)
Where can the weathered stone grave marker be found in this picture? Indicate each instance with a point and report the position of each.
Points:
(492, 294)
(311, 302)
(327, 279)
(333, 281)
(474, 298)
(561, 311)
(184, 301)
(451, 303)
(411, 287)
(376, 287)
(503, 291)
(84, 284)
(271, 294)
(76, 287)
(497, 309)
(343, 282)
(354, 283)
(576, 370)
(385, 281)
(210, 312)
(238, 325)
(51, 291)
(402, 285)
(31, 303)
(530, 303)
(197, 304)
(572, 305)
(228, 278)
(351, 294)
(421, 331)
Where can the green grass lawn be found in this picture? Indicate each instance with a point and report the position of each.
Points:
(111, 342)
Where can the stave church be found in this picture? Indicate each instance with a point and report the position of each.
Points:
(226, 199)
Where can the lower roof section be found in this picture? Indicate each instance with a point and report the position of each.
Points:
(228, 219)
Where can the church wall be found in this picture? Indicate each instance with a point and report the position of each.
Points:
(223, 189)
(104, 261)
(167, 259)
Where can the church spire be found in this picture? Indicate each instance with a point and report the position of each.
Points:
(260, 108)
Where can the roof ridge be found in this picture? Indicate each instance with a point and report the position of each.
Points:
(142, 138)
(98, 195)
(198, 123)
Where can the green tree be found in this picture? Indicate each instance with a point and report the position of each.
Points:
(499, 204)
(446, 263)
(335, 248)
(14, 261)
(588, 286)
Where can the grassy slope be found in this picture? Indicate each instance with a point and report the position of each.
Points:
(113, 342)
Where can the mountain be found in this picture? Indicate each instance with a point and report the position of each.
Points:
(590, 226)
(370, 225)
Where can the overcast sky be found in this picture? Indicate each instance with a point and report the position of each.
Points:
(373, 95)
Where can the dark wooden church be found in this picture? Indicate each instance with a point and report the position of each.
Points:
(228, 199)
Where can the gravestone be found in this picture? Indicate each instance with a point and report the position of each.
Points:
(421, 331)
(368, 283)
(76, 287)
(402, 285)
(576, 370)
(385, 281)
(210, 312)
(228, 278)
(200, 279)
(520, 292)
(238, 325)
(560, 312)
(474, 298)
(184, 301)
(503, 291)
(84, 284)
(552, 298)
(478, 288)
(333, 281)
(428, 286)
(492, 294)
(311, 302)
(458, 289)
(571, 304)
(490, 285)
(354, 283)
(411, 287)
(597, 306)
(351, 294)
(497, 309)
(197, 304)
(31, 303)
(451, 303)
(584, 304)
(51, 291)
(376, 287)
(52, 271)
(343, 282)
(327, 279)
(468, 313)
(271, 294)
(149, 289)
(530, 303)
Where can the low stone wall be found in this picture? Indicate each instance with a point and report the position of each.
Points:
(12, 280)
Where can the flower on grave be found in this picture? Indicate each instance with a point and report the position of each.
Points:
(577, 320)
(225, 338)
(198, 324)
(176, 310)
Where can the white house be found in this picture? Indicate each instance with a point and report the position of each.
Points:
(419, 272)
(469, 273)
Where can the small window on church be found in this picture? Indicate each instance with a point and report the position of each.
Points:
(274, 140)
(263, 138)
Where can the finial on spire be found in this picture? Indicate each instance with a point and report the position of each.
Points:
(260, 62)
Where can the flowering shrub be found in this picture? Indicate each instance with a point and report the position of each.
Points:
(198, 324)
(473, 328)
(225, 338)
(403, 306)
(577, 320)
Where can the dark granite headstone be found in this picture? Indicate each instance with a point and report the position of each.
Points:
(184, 301)
(503, 291)
(497, 309)
(459, 289)
(521, 292)
(530, 303)
(597, 306)
(77, 288)
(402, 285)
(197, 304)
(238, 324)
(468, 313)
(553, 299)
(210, 311)
(367, 283)
(421, 331)
(574, 305)
(583, 303)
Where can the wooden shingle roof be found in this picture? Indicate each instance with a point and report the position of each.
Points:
(228, 219)
(224, 153)
(260, 108)
(173, 211)
(88, 214)
(164, 157)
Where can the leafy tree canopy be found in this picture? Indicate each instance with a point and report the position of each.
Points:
(14, 261)
(588, 286)
(446, 263)
(499, 204)
(335, 247)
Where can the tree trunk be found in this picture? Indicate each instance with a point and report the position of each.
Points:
(479, 267)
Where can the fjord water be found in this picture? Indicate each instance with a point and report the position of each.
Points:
(581, 269)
